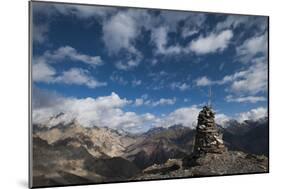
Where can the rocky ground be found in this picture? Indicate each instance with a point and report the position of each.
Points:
(210, 164)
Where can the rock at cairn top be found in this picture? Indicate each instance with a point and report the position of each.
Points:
(207, 139)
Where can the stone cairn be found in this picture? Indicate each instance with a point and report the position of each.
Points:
(208, 139)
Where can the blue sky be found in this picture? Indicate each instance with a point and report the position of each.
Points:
(156, 63)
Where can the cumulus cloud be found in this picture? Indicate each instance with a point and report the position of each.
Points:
(167, 22)
(252, 47)
(101, 111)
(68, 52)
(148, 102)
(128, 64)
(122, 29)
(139, 102)
(179, 85)
(254, 114)
(222, 119)
(84, 11)
(78, 77)
(39, 33)
(104, 111)
(160, 38)
(109, 111)
(232, 21)
(41, 71)
(214, 42)
(203, 81)
(119, 32)
(253, 80)
(136, 82)
(193, 24)
(118, 79)
(245, 99)
(185, 116)
(235, 21)
(164, 101)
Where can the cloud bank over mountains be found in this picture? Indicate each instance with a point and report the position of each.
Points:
(108, 111)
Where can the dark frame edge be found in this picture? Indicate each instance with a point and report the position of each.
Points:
(30, 153)
(268, 88)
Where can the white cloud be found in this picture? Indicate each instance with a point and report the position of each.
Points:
(187, 32)
(82, 11)
(203, 81)
(119, 33)
(39, 33)
(221, 119)
(166, 22)
(233, 21)
(246, 99)
(164, 101)
(71, 53)
(160, 38)
(108, 111)
(212, 43)
(193, 24)
(185, 116)
(233, 77)
(183, 87)
(136, 82)
(254, 114)
(78, 77)
(139, 102)
(144, 96)
(42, 72)
(254, 45)
(128, 64)
(192, 21)
(179, 85)
(118, 79)
(251, 47)
(102, 111)
(148, 102)
(252, 80)
(105, 111)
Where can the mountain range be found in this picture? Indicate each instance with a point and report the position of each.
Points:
(69, 153)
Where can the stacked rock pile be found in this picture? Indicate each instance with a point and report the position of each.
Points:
(208, 139)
